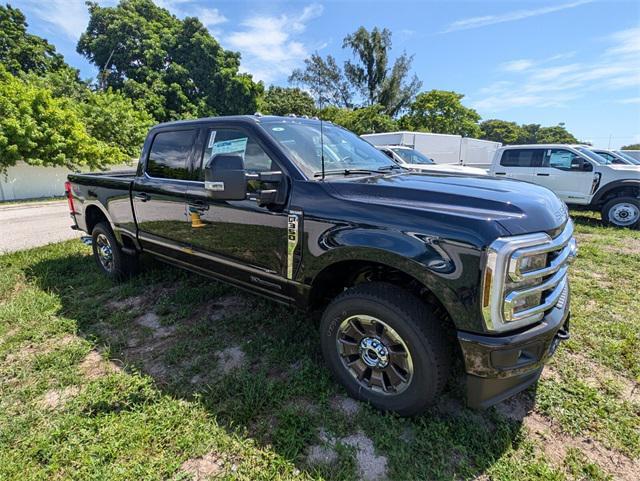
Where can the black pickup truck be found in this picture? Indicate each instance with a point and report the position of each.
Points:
(409, 270)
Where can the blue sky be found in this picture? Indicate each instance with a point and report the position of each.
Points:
(572, 61)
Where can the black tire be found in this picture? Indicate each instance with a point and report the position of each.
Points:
(622, 212)
(121, 265)
(419, 330)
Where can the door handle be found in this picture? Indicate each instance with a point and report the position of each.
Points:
(543, 175)
(142, 197)
(501, 173)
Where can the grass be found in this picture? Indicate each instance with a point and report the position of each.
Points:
(189, 370)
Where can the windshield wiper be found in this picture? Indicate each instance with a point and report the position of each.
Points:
(389, 167)
(346, 172)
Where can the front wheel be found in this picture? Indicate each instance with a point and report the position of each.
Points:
(386, 347)
(108, 254)
(622, 212)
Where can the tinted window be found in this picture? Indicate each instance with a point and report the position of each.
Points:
(411, 156)
(169, 155)
(607, 156)
(521, 158)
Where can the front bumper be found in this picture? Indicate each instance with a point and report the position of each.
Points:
(500, 366)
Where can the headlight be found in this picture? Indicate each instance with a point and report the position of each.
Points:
(525, 276)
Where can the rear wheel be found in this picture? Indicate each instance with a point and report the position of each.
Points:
(622, 212)
(386, 347)
(108, 254)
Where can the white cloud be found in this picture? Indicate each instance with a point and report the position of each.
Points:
(630, 100)
(483, 21)
(268, 45)
(545, 82)
(209, 16)
(69, 16)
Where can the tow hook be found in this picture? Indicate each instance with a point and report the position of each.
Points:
(87, 240)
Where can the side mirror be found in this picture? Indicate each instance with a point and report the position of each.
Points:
(586, 166)
(270, 188)
(224, 177)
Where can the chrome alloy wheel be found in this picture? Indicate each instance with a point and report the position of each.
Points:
(104, 251)
(374, 354)
(624, 214)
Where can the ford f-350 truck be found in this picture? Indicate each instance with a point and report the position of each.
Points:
(409, 269)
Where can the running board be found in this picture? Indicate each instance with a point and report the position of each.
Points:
(86, 240)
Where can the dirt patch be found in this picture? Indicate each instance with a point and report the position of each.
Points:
(515, 408)
(151, 320)
(128, 304)
(204, 467)
(321, 454)
(371, 467)
(226, 306)
(346, 405)
(31, 349)
(230, 359)
(94, 366)
(555, 445)
(631, 248)
(56, 398)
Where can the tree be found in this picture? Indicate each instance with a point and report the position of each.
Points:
(175, 67)
(370, 73)
(284, 100)
(40, 129)
(530, 132)
(325, 80)
(557, 134)
(442, 112)
(22, 52)
(365, 120)
(502, 131)
(630, 147)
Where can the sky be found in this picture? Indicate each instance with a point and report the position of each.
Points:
(544, 62)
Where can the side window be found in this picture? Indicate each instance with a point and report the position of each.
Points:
(169, 154)
(521, 158)
(562, 159)
(607, 156)
(231, 141)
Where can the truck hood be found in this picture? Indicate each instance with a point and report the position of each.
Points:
(633, 170)
(462, 169)
(518, 207)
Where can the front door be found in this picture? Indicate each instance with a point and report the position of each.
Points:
(239, 239)
(563, 171)
(159, 193)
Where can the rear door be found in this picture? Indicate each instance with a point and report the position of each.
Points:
(563, 172)
(238, 239)
(519, 164)
(159, 192)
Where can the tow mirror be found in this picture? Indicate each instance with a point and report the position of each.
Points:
(224, 177)
(270, 188)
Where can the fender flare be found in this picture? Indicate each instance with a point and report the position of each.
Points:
(618, 184)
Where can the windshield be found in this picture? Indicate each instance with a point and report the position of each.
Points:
(627, 157)
(593, 156)
(411, 156)
(343, 150)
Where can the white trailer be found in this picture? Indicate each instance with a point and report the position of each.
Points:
(443, 148)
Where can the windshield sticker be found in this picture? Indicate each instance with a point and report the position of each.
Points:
(212, 138)
(277, 129)
(235, 146)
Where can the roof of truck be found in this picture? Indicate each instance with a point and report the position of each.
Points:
(543, 146)
(256, 118)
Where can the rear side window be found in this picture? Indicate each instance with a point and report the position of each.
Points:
(169, 154)
(521, 158)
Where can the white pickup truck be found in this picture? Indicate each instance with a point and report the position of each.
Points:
(412, 159)
(578, 176)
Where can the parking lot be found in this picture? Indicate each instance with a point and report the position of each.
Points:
(169, 376)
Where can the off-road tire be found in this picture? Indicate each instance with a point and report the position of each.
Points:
(122, 265)
(608, 209)
(418, 327)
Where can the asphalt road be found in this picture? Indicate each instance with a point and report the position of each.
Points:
(34, 224)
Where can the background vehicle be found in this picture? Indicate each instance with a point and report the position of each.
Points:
(408, 269)
(578, 176)
(412, 159)
(442, 148)
(631, 153)
(616, 157)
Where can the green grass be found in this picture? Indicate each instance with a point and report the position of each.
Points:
(165, 398)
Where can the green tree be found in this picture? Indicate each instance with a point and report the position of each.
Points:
(502, 131)
(441, 112)
(284, 100)
(325, 80)
(40, 129)
(365, 120)
(175, 67)
(22, 52)
(630, 147)
(557, 134)
(371, 75)
(116, 120)
(530, 133)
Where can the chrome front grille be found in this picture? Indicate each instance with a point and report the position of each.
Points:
(514, 296)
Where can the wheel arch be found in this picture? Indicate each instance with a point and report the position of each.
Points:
(618, 188)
